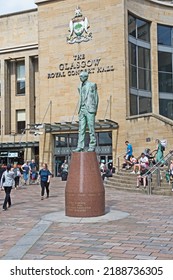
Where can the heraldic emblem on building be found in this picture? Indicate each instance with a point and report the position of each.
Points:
(78, 28)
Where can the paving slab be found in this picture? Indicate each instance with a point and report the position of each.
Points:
(135, 226)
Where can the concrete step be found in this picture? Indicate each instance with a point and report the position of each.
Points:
(126, 188)
(132, 180)
(127, 182)
(158, 191)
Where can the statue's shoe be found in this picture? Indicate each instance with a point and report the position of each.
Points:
(78, 150)
(91, 150)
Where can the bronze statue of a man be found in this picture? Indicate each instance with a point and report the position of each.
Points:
(88, 103)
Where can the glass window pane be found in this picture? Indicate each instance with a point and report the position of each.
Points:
(20, 115)
(132, 54)
(165, 82)
(144, 105)
(164, 35)
(133, 105)
(166, 108)
(20, 71)
(132, 25)
(20, 120)
(165, 61)
(73, 139)
(105, 138)
(144, 79)
(143, 30)
(133, 76)
(20, 77)
(20, 127)
(143, 57)
(61, 141)
(20, 87)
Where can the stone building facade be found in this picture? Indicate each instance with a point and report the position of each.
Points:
(127, 48)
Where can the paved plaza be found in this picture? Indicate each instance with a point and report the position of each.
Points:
(135, 226)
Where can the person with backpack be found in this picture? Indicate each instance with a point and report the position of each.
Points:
(159, 152)
(7, 181)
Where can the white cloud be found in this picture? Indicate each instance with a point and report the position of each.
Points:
(10, 6)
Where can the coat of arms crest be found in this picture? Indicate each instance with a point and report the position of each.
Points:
(78, 28)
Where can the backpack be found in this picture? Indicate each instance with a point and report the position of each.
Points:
(162, 148)
(163, 144)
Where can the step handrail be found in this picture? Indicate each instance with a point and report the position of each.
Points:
(118, 159)
(155, 167)
(159, 163)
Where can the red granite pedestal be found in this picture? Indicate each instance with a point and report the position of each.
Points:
(84, 193)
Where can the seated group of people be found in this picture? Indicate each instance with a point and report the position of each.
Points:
(140, 166)
(145, 160)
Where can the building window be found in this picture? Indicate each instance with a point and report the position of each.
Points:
(165, 70)
(20, 121)
(139, 66)
(20, 76)
(138, 28)
(105, 138)
(164, 35)
(61, 141)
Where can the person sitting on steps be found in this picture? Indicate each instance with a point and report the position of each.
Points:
(142, 179)
(143, 162)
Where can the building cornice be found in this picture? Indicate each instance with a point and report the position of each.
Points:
(163, 2)
(18, 13)
(44, 1)
(19, 48)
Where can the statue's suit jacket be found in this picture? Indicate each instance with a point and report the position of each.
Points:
(90, 97)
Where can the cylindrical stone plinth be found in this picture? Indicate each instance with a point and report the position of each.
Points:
(84, 193)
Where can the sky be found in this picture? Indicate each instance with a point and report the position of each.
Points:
(11, 6)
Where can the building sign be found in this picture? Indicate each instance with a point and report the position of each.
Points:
(78, 28)
(80, 63)
(12, 154)
(9, 154)
(3, 154)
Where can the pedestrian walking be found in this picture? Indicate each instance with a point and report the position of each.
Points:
(25, 169)
(7, 181)
(45, 176)
(129, 152)
(64, 172)
(17, 176)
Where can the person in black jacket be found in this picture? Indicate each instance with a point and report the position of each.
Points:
(7, 181)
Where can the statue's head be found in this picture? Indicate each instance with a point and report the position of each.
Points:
(83, 76)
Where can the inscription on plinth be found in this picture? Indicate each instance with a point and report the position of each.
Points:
(84, 193)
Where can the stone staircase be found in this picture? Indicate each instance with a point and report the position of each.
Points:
(124, 181)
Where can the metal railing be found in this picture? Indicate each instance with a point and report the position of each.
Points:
(156, 168)
(118, 160)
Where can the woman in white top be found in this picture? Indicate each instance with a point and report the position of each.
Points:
(143, 162)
